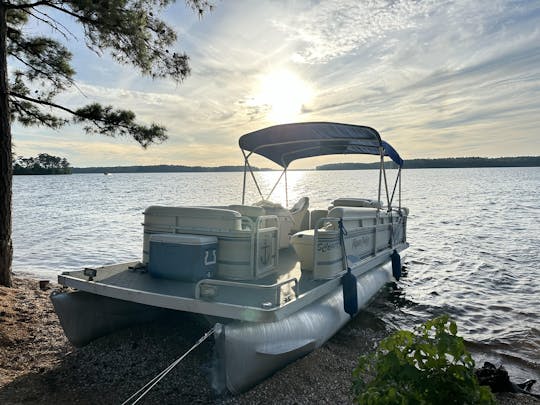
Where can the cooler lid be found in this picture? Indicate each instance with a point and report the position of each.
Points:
(183, 239)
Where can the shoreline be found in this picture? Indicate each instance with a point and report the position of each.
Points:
(39, 366)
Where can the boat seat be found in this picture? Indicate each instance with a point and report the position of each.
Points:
(268, 204)
(298, 214)
(285, 220)
(239, 255)
(356, 216)
(217, 219)
(352, 212)
(316, 216)
(356, 202)
(248, 210)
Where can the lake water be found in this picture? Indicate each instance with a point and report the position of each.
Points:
(474, 236)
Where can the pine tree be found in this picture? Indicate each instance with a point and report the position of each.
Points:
(130, 30)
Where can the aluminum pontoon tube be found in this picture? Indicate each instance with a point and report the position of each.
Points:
(249, 352)
(85, 317)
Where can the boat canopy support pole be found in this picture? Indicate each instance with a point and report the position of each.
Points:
(380, 175)
(389, 201)
(246, 163)
(398, 181)
(245, 175)
(286, 190)
(277, 182)
(399, 174)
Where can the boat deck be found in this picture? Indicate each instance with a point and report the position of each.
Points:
(271, 298)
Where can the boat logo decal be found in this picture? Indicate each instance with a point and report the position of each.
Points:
(327, 246)
(361, 241)
(265, 252)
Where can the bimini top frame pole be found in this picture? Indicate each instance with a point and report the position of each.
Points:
(247, 166)
(286, 143)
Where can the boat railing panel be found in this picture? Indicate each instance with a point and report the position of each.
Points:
(367, 233)
(285, 222)
(266, 248)
(266, 296)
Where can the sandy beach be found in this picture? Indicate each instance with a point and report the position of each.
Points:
(39, 366)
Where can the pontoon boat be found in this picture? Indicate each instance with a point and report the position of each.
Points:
(277, 281)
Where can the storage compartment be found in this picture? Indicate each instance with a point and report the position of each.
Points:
(182, 257)
(302, 243)
(327, 252)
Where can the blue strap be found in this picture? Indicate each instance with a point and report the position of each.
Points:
(342, 233)
(342, 230)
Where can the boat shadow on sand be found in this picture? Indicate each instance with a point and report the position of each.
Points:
(110, 369)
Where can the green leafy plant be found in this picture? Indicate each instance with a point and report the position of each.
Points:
(428, 366)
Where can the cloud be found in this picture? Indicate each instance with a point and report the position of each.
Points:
(429, 72)
(335, 28)
(448, 78)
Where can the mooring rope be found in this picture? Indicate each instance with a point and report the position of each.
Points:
(152, 383)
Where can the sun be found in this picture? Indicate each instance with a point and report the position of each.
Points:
(282, 94)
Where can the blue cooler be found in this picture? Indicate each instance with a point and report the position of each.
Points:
(182, 257)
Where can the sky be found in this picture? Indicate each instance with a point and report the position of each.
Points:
(435, 78)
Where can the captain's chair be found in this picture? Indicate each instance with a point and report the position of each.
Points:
(299, 212)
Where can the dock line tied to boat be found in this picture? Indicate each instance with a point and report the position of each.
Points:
(137, 396)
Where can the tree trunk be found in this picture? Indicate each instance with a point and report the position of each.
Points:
(6, 170)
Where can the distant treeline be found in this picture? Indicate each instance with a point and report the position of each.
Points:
(445, 163)
(41, 164)
(409, 164)
(160, 169)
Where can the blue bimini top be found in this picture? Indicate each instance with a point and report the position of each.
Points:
(283, 144)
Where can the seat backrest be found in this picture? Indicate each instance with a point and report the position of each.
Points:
(315, 216)
(248, 210)
(299, 212)
(352, 212)
(356, 202)
(218, 219)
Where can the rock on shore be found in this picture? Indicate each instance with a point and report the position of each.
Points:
(39, 366)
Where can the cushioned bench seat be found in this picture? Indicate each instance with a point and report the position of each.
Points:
(236, 258)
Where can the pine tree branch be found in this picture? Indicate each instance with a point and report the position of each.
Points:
(47, 75)
(44, 102)
(80, 17)
(22, 6)
(51, 22)
(32, 115)
(108, 121)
